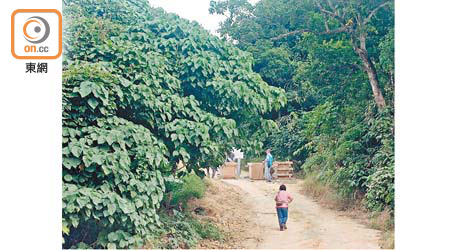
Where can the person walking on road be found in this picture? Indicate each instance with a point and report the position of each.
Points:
(282, 199)
(267, 165)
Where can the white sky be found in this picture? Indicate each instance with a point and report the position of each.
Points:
(194, 10)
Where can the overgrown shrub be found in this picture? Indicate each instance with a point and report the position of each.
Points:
(381, 184)
(381, 189)
(207, 230)
(356, 157)
(191, 187)
(183, 231)
(143, 90)
(111, 191)
(287, 141)
(177, 232)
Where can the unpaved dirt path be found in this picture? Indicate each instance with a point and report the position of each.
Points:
(310, 226)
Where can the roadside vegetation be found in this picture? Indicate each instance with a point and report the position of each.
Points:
(335, 60)
(354, 207)
(180, 229)
(144, 90)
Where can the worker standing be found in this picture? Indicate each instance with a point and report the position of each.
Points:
(267, 165)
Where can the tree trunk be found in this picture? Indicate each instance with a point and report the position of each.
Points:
(370, 70)
(373, 79)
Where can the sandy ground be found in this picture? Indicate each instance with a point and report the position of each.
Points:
(226, 206)
(310, 226)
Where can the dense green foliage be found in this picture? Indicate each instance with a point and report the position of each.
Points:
(190, 187)
(143, 90)
(179, 229)
(183, 231)
(325, 54)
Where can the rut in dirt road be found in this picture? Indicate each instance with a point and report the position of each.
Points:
(309, 225)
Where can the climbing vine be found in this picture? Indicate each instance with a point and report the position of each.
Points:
(143, 90)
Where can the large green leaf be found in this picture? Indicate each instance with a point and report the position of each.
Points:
(93, 102)
(75, 150)
(85, 88)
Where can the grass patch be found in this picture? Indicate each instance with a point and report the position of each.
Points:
(179, 194)
(327, 196)
(181, 230)
(207, 230)
(384, 222)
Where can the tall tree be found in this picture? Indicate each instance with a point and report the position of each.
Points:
(350, 18)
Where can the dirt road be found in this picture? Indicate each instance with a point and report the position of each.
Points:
(310, 226)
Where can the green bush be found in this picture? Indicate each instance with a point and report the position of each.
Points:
(177, 232)
(287, 140)
(183, 231)
(143, 90)
(381, 189)
(207, 230)
(380, 185)
(354, 156)
(192, 187)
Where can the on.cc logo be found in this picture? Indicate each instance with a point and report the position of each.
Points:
(39, 24)
(36, 34)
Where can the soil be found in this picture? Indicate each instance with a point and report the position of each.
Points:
(225, 205)
(246, 210)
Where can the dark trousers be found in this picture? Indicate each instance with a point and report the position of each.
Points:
(282, 213)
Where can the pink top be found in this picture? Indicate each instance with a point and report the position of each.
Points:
(284, 197)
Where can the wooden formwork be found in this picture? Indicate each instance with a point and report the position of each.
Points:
(255, 170)
(283, 170)
(228, 170)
